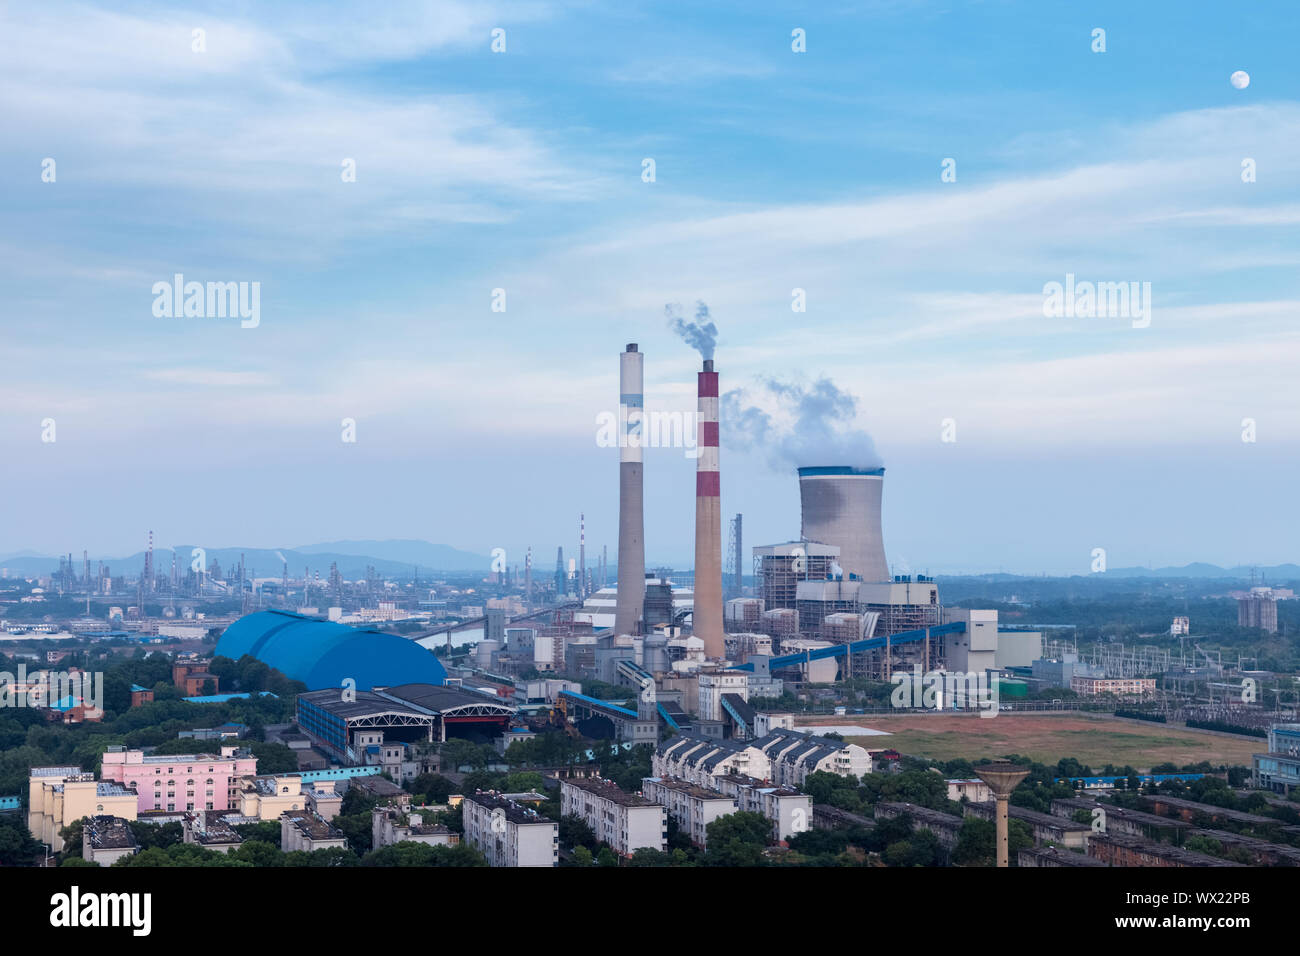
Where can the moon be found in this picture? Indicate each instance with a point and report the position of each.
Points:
(1240, 79)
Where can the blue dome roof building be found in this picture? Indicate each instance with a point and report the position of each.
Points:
(325, 654)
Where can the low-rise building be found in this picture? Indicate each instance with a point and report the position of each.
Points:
(624, 821)
(1045, 827)
(1123, 686)
(268, 796)
(304, 830)
(58, 796)
(391, 824)
(324, 800)
(508, 834)
(1055, 857)
(210, 830)
(974, 790)
(944, 826)
(381, 788)
(1120, 850)
(691, 806)
(106, 839)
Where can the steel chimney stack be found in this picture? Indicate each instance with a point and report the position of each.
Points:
(631, 502)
(707, 614)
(841, 507)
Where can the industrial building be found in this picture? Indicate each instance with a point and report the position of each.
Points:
(340, 725)
(1279, 769)
(327, 654)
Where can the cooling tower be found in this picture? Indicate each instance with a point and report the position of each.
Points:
(707, 615)
(631, 516)
(841, 507)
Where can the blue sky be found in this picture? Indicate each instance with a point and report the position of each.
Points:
(775, 170)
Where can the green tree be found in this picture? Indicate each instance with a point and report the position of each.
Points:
(737, 839)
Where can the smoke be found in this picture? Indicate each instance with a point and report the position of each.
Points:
(701, 335)
(798, 426)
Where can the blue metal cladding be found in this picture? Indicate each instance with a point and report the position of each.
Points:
(324, 654)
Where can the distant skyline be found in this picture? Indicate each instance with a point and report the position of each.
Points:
(774, 171)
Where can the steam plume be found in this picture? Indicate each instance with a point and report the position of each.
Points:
(798, 426)
(701, 334)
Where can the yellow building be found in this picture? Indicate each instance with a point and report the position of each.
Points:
(266, 797)
(58, 796)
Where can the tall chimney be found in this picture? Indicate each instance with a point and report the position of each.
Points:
(708, 520)
(841, 506)
(631, 509)
(582, 556)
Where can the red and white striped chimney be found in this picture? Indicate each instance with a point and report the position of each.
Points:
(708, 520)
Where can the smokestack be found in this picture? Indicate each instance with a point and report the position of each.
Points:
(841, 507)
(631, 508)
(582, 556)
(708, 520)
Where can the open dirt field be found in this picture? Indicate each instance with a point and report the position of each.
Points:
(1091, 739)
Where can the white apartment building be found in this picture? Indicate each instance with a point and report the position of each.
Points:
(691, 806)
(784, 757)
(699, 760)
(509, 834)
(789, 810)
(795, 755)
(625, 821)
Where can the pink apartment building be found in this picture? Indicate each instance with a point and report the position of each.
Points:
(181, 782)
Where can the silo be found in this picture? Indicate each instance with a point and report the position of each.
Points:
(841, 507)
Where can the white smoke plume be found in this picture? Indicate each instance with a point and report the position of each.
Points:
(701, 334)
(797, 426)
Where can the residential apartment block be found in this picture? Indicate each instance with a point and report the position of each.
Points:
(624, 821)
(509, 834)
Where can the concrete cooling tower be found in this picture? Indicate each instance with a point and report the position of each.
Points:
(841, 507)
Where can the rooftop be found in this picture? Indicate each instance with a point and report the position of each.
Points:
(608, 790)
(522, 816)
(312, 825)
(108, 833)
(690, 789)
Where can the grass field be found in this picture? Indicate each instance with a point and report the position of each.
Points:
(1046, 738)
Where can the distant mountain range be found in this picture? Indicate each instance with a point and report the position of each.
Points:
(388, 558)
(1273, 573)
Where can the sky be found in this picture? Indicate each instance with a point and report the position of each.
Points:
(519, 178)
